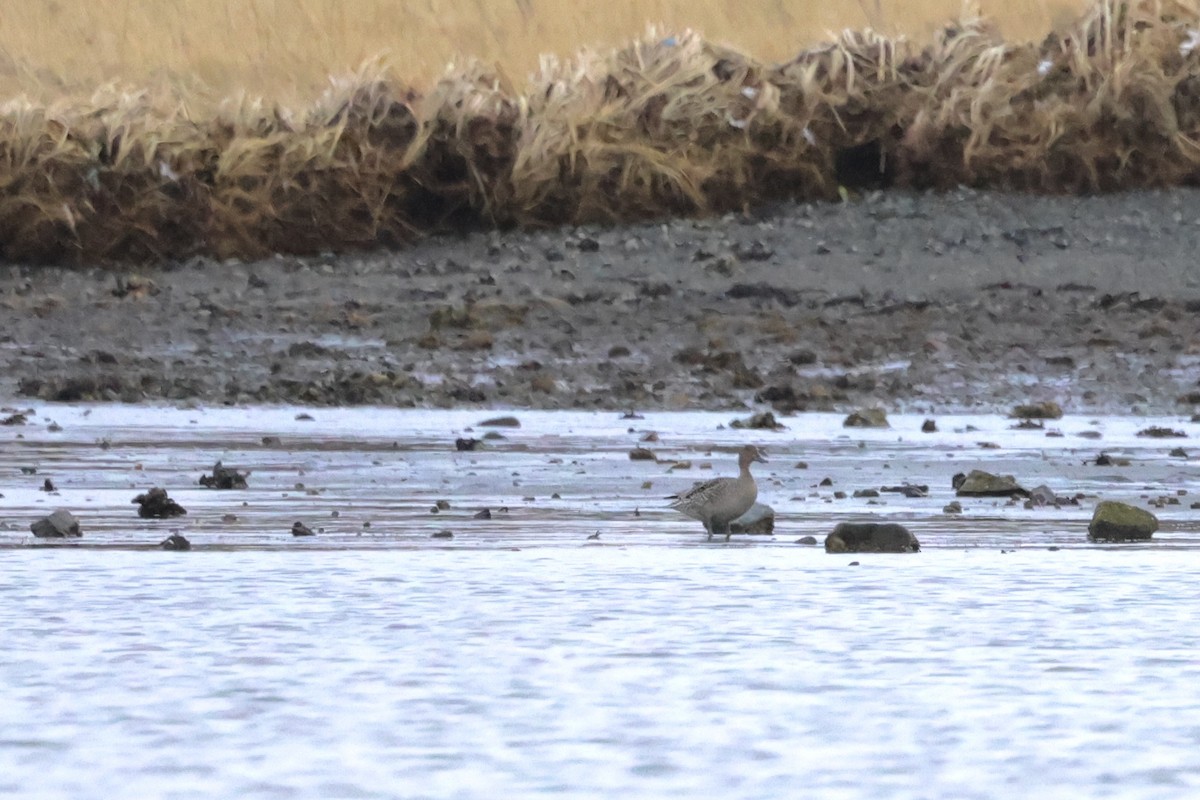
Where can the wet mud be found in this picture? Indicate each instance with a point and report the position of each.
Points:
(961, 301)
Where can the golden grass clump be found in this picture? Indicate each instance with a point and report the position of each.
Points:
(113, 178)
(336, 179)
(669, 125)
(1113, 103)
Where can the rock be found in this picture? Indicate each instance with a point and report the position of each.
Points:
(762, 421)
(58, 525)
(1178, 452)
(953, 507)
(48, 486)
(984, 484)
(908, 489)
(466, 445)
(224, 478)
(807, 540)
(1046, 409)
(442, 505)
(928, 426)
(1120, 522)
(442, 535)
(1156, 432)
(156, 504)
(501, 422)
(867, 418)
(484, 514)
(759, 519)
(865, 493)
(871, 537)
(14, 419)
(300, 529)
(271, 441)
(641, 454)
(175, 542)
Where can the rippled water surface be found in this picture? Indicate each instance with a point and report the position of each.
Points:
(519, 658)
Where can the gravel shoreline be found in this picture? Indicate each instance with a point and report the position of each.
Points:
(938, 302)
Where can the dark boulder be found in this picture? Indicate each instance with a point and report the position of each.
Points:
(223, 477)
(58, 525)
(156, 504)
(984, 484)
(871, 537)
(175, 542)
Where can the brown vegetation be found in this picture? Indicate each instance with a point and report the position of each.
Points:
(671, 124)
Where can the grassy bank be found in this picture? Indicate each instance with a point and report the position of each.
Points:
(287, 49)
(671, 124)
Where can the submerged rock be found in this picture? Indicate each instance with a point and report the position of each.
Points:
(867, 418)
(224, 478)
(156, 504)
(1121, 522)
(59, 525)
(175, 542)
(501, 422)
(871, 537)
(978, 483)
(1047, 409)
(764, 421)
(759, 519)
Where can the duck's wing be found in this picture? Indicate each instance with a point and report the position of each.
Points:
(699, 492)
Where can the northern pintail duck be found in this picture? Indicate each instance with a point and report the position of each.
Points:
(719, 501)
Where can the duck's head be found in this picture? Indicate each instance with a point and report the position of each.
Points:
(749, 454)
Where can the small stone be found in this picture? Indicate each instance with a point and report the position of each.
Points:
(929, 426)
(48, 486)
(443, 505)
(466, 445)
(300, 529)
(442, 535)
(175, 542)
(641, 454)
(953, 507)
(484, 514)
(810, 540)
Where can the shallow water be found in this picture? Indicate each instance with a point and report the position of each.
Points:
(520, 659)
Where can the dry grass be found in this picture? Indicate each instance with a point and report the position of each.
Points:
(672, 123)
(285, 49)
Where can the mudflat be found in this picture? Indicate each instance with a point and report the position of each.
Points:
(939, 302)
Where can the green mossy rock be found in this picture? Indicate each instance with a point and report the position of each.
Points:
(1121, 522)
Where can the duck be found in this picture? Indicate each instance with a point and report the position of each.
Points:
(719, 501)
